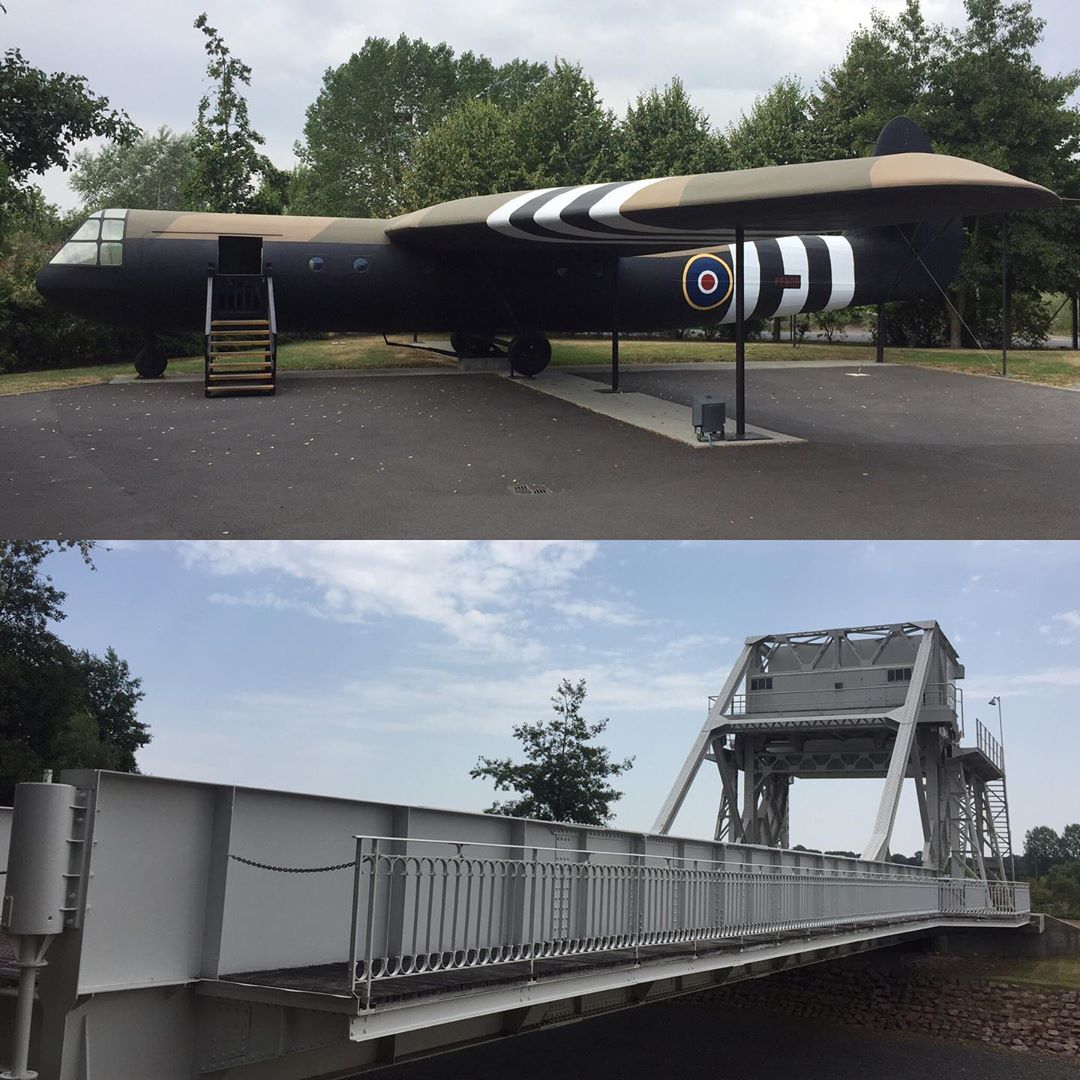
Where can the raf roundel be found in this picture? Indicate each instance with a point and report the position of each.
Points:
(707, 282)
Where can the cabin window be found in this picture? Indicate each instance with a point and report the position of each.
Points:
(899, 674)
(98, 241)
(761, 682)
(316, 263)
(360, 265)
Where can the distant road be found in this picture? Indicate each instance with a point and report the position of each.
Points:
(693, 1040)
(1055, 341)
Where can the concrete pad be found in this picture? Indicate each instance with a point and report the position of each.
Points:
(667, 418)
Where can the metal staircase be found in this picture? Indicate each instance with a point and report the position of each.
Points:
(241, 334)
(997, 806)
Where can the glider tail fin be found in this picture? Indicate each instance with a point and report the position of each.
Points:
(918, 258)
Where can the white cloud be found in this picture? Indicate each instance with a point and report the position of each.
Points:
(428, 699)
(1070, 618)
(1061, 676)
(480, 593)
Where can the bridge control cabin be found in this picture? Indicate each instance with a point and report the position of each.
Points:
(877, 702)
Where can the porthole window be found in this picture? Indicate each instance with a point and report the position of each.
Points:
(316, 263)
(360, 265)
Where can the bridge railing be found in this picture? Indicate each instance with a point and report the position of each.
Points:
(442, 906)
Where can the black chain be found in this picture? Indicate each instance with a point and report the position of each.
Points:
(293, 869)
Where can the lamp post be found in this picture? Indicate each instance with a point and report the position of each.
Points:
(996, 700)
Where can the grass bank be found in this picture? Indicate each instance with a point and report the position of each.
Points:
(1053, 367)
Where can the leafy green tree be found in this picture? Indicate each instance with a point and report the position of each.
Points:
(470, 152)
(562, 133)
(227, 163)
(361, 129)
(886, 72)
(151, 173)
(59, 708)
(1070, 842)
(978, 93)
(776, 131)
(563, 778)
(42, 117)
(1042, 849)
(664, 134)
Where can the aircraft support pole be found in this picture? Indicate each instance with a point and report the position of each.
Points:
(615, 335)
(1006, 313)
(880, 358)
(1075, 319)
(740, 336)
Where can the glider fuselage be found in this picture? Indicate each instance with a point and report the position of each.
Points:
(342, 274)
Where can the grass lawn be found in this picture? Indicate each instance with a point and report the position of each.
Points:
(1054, 367)
(1061, 971)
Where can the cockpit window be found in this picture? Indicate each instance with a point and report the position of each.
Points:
(98, 241)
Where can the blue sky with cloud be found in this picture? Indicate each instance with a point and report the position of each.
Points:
(383, 669)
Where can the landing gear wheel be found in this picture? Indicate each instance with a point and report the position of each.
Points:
(529, 353)
(472, 344)
(151, 361)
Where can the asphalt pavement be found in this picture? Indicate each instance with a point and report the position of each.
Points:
(900, 452)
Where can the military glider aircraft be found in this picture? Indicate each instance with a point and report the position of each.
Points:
(644, 255)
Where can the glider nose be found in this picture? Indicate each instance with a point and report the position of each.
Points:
(48, 282)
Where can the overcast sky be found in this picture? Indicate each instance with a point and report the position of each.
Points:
(381, 670)
(146, 57)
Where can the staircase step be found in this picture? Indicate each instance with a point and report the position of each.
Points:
(231, 333)
(239, 322)
(229, 353)
(264, 388)
(244, 375)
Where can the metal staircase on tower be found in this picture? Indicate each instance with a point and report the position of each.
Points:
(241, 334)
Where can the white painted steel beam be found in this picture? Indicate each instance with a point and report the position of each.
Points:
(673, 803)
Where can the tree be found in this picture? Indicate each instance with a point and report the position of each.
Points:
(663, 134)
(1070, 842)
(1042, 849)
(886, 72)
(776, 131)
(563, 778)
(979, 94)
(59, 708)
(42, 117)
(361, 130)
(151, 173)
(470, 152)
(562, 133)
(227, 164)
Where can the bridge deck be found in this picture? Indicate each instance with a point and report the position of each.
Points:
(333, 979)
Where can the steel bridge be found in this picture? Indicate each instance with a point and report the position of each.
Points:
(187, 930)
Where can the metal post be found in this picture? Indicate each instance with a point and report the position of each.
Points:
(880, 358)
(29, 959)
(740, 336)
(615, 333)
(1006, 313)
(369, 934)
(1075, 320)
(615, 359)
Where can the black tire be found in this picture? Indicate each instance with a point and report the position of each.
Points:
(530, 353)
(150, 362)
(472, 344)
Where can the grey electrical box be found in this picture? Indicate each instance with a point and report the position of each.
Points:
(709, 415)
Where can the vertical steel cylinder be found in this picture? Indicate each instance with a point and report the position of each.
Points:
(35, 886)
